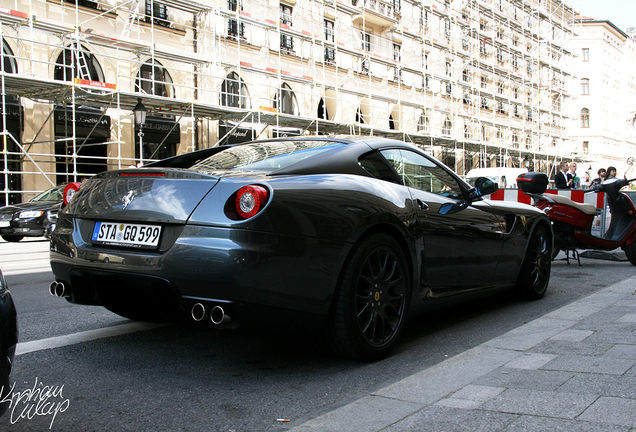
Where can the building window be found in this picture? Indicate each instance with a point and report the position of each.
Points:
(154, 79)
(585, 86)
(330, 53)
(366, 41)
(586, 147)
(77, 62)
(286, 41)
(234, 92)
(484, 82)
(585, 118)
(586, 54)
(360, 117)
(157, 13)
(397, 56)
(447, 126)
(448, 68)
(424, 124)
(466, 131)
(234, 28)
(285, 100)
(465, 75)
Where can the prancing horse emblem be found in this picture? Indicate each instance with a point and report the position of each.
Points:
(128, 198)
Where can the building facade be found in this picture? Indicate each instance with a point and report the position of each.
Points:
(477, 83)
(605, 102)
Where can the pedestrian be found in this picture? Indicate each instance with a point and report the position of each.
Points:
(602, 173)
(561, 180)
(611, 173)
(576, 180)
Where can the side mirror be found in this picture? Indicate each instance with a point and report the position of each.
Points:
(485, 186)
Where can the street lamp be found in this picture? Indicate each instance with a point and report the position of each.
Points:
(140, 118)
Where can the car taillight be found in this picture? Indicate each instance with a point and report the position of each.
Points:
(69, 191)
(250, 200)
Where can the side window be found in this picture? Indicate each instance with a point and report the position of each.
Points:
(376, 165)
(421, 173)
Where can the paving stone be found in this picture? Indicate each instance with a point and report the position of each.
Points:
(612, 410)
(568, 347)
(544, 403)
(603, 385)
(628, 318)
(592, 364)
(572, 335)
(525, 379)
(624, 351)
(530, 361)
(529, 335)
(470, 397)
(613, 336)
(368, 414)
(544, 424)
(444, 419)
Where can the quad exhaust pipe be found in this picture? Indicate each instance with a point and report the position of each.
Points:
(58, 289)
(216, 315)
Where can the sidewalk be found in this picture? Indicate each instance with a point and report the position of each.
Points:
(571, 370)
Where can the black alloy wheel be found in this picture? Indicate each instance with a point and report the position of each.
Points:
(371, 301)
(534, 276)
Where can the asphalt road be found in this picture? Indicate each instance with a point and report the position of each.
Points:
(91, 370)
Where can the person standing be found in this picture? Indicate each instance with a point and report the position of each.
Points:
(561, 180)
(602, 173)
(576, 180)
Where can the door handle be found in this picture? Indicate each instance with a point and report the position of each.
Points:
(421, 204)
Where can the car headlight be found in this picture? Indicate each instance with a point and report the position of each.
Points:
(30, 214)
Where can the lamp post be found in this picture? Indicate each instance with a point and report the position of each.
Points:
(140, 118)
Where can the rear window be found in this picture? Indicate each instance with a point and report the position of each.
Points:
(264, 156)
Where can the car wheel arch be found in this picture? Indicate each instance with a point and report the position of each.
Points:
(381, 228)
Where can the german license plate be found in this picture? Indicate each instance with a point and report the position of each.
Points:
(4, 224)
(126, 234)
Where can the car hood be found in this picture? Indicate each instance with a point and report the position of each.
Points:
(141, 195)
(39, 205)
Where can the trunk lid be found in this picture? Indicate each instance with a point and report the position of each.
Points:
(163, 196)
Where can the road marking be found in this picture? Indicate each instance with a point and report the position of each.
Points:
(85, 336)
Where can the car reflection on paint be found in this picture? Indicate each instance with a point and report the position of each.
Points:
(352, 235)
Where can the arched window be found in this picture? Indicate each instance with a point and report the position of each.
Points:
(77, 62)
(585, 86)
(447, 126)
(585, 118)
(322, 110)
(154, 79)
(360, 116)
(285, 100)
(9, 65)
(234, 92)
(423, 125)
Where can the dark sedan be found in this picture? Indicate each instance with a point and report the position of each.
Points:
(355, 234)
(8, 342)
(30, 219)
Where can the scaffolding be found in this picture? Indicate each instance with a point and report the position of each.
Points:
(474, 82)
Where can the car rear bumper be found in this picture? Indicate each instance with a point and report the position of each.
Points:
(205, 265)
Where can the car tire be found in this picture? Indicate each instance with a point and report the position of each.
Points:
(12, 238)
(630, 252)
(371, 300)
(534, 275)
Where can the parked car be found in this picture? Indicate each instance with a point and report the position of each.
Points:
(504, 177)
(356, 233)
(8, 342)
(32, 218)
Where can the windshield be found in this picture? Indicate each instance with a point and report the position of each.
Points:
(53, 194)
(264, 156)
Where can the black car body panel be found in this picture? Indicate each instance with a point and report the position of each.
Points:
(322, 202)
(8, 341)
